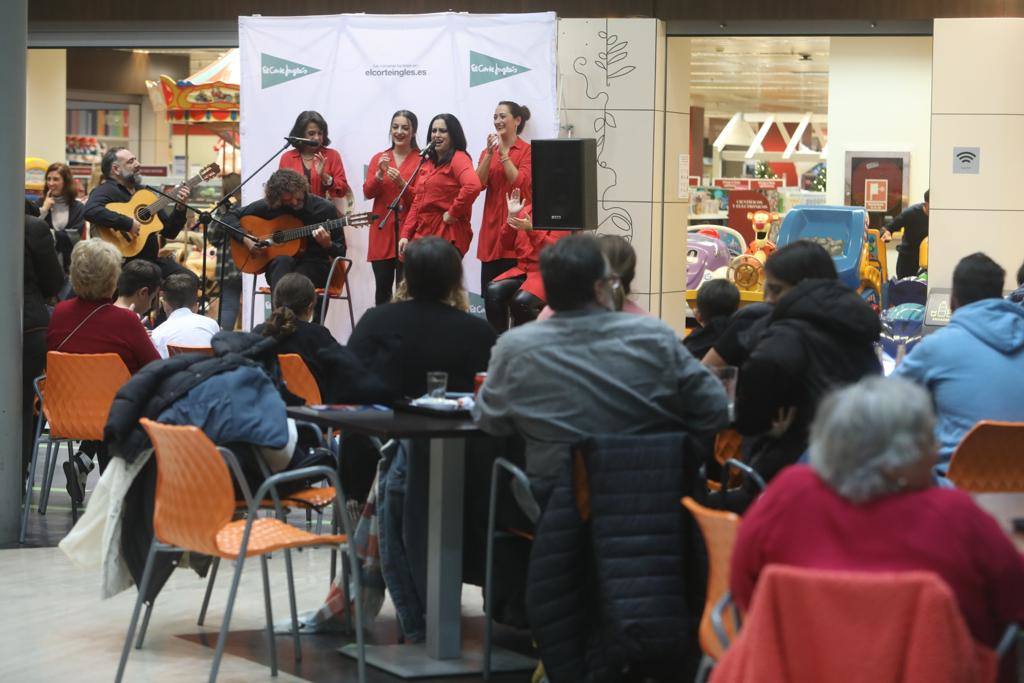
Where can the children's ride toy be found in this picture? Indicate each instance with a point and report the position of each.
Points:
(704, 256)
(732, 238)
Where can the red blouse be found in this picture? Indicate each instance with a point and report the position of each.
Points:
(528, 245)
(801, 521)
(110, 330)
(333, 167)
(497, 239)
(383, 192)
(452, 188)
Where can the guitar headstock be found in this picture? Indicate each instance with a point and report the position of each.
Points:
(359, 220)
(209, 171)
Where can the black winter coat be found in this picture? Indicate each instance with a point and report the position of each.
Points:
(624, 590)
(43, 274)
(820, 336)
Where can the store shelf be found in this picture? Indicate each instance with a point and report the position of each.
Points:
(698, 217)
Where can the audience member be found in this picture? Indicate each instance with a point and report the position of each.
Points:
(913, 221)
(63, 212)
(183, 327)
(1017, 295)
(90, 323)
(588, 370)
(866, 503)
(717, 300)
(42, 280)
(427, 327)
(138, 286)
(973, 367)
(820, 334)
(291, 324)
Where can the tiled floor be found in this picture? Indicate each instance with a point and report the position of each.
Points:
(54, 626)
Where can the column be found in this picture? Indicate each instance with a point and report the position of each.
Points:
(47, 101)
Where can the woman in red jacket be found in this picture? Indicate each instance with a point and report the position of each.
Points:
(389, 172)
(445, 189)
(320, 164)
(519, 291)
(504, 165)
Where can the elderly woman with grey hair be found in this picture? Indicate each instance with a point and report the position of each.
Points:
(866, 503)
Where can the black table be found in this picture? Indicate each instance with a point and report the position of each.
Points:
(443, 653)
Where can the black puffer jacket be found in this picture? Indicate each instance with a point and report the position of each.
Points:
(624, 590)
(820, 336)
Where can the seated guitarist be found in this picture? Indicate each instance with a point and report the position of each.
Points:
(287, 193)
(120, 169)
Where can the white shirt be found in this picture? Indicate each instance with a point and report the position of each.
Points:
(184, 328)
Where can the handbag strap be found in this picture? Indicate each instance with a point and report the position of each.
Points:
(79, 326)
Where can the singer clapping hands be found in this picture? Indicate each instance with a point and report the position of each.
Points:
(515, 205)
(321, 165)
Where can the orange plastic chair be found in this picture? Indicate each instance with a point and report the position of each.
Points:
(299, 379)
(80, 389)
(194, 510)
(175, 350)
(990, 458)
(337, 288)
(719, 530)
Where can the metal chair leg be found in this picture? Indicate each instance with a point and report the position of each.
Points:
(252, 302)
(50, 464)
(309, 518)
(488, 572)
(31, 479)
(145, 625)
(357, 599)
(334, 551)
(270, 615)
(291, 604)
(223, 637)
(319, 521)
(209, 590)
(146, 575)
(704, 670)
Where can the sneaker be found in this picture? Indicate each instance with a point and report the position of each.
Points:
(77, 474)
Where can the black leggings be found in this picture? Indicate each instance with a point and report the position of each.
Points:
(492, 269)
(505, 298)
(387, 274)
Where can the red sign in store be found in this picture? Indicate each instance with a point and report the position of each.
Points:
(876, 194)
(733, 183)
(767, 183)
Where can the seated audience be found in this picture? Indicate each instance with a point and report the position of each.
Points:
(973, 367)
(183, 326)
(90, 323)
(1017, 295)
(427, 327)
(866, 502)
(820, 334)
(291, 324)
(588, 370)
(717, 300)
(138, 286)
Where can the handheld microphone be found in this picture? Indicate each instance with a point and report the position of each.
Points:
(426, 150)
(301, 141)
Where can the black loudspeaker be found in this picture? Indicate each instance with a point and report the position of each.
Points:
(565, 184)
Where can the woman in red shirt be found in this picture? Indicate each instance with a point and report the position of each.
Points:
(320, 164)
(519, 291)
(389, 172)
(445, 189)
(505, 164)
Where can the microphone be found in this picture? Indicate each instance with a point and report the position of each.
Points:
(302, 141)
(426, 150)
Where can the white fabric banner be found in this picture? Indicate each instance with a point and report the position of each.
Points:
(358, 69)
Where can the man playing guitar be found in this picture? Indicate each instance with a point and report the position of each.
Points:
(120, 168)
(287, 193)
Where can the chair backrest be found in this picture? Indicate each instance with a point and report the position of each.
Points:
(80, 389)
(990, 458)
(339, 278)
(299, 379)
(194, 494)
(719, 531)
(173, 350)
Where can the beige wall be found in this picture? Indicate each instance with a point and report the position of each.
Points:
(46, 118)
(879, 100)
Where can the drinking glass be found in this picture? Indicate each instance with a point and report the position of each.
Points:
(437, 384)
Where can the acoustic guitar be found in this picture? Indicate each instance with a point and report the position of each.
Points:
(287, 236)
(145, 207)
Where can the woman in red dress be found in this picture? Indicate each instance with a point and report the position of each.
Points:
(504, 165)
(320, 164)
(519, 291)
(445, 189)
(389, 172)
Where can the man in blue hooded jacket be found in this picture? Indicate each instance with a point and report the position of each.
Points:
(974, 367)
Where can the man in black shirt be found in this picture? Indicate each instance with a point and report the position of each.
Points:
(914, 222)
(121, 170)
(287, 193)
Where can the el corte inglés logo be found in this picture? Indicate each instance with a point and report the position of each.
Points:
(275, 71)
(485, 69)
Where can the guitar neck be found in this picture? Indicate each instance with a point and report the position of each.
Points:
(307, 230)
(161, 203)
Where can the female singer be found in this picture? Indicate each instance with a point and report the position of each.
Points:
(320, 164)
(519, 291)
(445, 189)
(504, 164)
(389, 173)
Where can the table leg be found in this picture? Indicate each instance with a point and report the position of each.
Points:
(444, 548)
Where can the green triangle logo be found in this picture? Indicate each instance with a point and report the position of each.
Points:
(275, 71)
(485, 69)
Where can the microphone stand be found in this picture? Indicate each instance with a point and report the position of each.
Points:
(394, 208)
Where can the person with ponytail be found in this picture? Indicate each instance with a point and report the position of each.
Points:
(504, 165)
(289, 323)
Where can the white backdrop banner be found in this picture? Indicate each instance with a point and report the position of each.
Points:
(358, 69)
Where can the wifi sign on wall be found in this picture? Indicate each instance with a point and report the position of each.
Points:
(967, 160)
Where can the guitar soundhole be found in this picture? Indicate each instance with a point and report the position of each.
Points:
(143, 215)
(277, 238)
